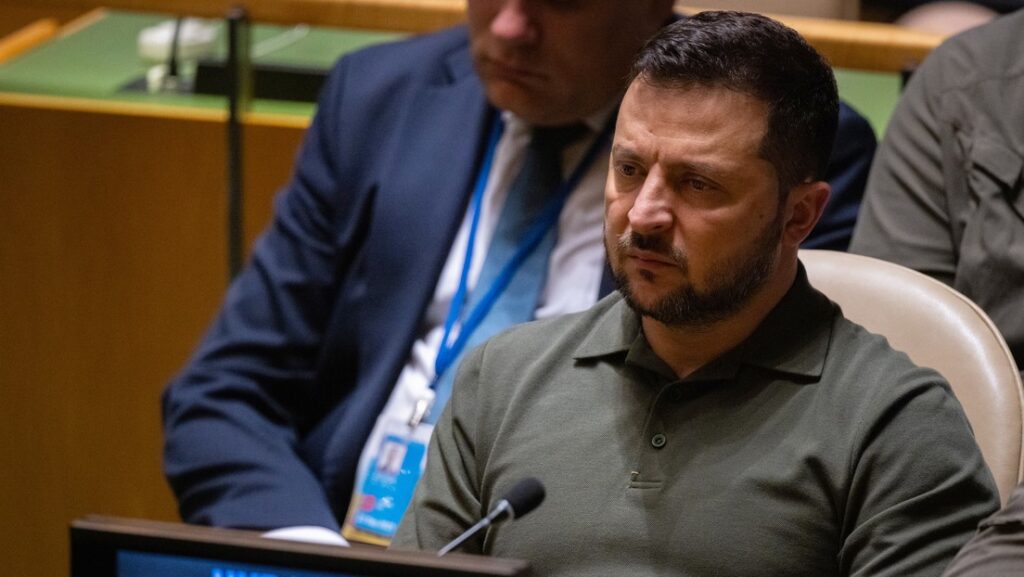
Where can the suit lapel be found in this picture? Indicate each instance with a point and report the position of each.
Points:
(423, 194)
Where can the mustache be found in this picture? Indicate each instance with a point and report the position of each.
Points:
(651, 243)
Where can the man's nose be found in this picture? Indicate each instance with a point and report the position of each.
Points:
(516, 23)
(651, 212)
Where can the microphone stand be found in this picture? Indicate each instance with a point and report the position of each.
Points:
(239, 91)
(498, 514)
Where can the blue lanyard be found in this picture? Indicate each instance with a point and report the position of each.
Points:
(451, 346)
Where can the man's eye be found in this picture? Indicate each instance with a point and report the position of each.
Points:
(628, 170)
(697, 184)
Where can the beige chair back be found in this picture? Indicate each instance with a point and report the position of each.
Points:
(939, 328)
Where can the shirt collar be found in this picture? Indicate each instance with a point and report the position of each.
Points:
(793, 339)
(595, 122)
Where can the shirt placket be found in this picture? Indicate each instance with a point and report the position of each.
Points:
(655, 440)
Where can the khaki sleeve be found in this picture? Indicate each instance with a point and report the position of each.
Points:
(905, 217)
(997, 550)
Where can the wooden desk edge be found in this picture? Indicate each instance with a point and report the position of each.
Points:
(27, 38)
(155, 110)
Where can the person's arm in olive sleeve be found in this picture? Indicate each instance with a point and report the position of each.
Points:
(997, 550)
(905, 217)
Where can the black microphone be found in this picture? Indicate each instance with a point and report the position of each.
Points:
(522, 498)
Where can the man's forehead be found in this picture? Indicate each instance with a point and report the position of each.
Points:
(698, 123)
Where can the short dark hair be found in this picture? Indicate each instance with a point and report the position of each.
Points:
(755, 55)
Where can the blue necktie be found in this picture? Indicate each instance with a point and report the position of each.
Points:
(536, 183)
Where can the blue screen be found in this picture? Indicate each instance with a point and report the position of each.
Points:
(135, 564)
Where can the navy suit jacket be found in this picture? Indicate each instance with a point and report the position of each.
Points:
(265, 425)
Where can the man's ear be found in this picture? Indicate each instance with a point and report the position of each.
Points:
(804, 206)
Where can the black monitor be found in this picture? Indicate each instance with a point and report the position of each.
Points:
(111, 547)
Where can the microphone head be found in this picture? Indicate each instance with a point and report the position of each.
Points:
(524, 496)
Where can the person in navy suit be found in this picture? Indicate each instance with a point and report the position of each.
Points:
(346, 289)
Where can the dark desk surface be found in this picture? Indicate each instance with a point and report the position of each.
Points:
(99, 543)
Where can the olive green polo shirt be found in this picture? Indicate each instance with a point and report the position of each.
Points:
(811, 449)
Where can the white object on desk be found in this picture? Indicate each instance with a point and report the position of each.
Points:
(197, 38)
(308, 534)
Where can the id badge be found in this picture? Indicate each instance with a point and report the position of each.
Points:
(388, 480)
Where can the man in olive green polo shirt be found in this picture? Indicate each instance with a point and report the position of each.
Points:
(720, 416)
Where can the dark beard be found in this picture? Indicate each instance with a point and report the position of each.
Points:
(731, 284)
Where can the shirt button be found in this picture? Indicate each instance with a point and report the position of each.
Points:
(658, 441)
(675, 394)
